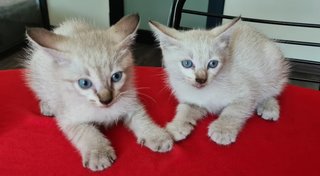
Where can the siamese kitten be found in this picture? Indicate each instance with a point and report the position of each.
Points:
(231, 70)
(84, 77)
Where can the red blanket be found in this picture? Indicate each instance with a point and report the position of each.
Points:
(32, 144)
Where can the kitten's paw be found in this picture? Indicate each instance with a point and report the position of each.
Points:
(157, 140)
(269, 109)
(221, 133)
(179, 130)
(45, 109)
(99, 159)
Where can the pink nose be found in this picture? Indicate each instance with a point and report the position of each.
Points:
(105, 96)
(201, 80)
(106, 102)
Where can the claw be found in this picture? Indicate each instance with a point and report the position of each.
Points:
(111, 160)
(190, 123)
(85, 164)
(142, 142)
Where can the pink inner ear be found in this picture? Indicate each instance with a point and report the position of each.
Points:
(232, 23)
(163, 30)
(45, 38)
(225, 35)
(223, 44)
(224, 39)
(165, 35)
(127, 26)
(49, 42)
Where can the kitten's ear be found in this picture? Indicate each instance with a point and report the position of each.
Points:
(126, 28)
(225, 32)
(47, 41)
(165, 35)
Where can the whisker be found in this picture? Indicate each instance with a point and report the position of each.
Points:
(128, 92)
(161, 74)
(165, 88)
(147, 96)
(142, 88)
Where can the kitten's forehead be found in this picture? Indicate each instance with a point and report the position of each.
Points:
(96, 48)
(99, 54)
(200, 43)
(102, 40)
(199, 36)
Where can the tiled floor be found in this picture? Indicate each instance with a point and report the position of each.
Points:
(145, 54)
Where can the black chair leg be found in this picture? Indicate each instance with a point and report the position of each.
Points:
(175, 14)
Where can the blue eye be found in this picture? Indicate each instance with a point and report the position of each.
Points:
(187, 63)
(116, 76)
(213, 64)
(84, 83)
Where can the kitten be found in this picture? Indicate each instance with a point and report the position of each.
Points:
(84, 77)
(231, 70)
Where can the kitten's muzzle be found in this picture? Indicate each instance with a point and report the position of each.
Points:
(201, 76)
(201, 80)
(105, 96)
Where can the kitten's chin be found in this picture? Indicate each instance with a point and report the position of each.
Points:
(105, 105)
(195, 84)
(198, 86)
(100, 105)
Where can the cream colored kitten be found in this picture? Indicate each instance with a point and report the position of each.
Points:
(231, 70)
(84, 77)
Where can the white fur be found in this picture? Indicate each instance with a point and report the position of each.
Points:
(75, 51)
(251, 73)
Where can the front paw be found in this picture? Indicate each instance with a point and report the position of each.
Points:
(269, 109)
(179, 130)
(99, 159)
(222, 133)
(158, 140)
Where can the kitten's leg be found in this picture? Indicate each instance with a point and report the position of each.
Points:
(96, 151)
(45, 109)
(147, 132)
(184, 121)
(225, 129)
(269, 109)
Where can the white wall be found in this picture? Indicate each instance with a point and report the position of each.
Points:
(95, 11)
(159, 10)
(306, 11)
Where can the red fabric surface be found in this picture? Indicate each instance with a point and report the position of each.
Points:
(32, 144)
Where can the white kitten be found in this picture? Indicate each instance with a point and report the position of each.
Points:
(230, 70)
(84, 77)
